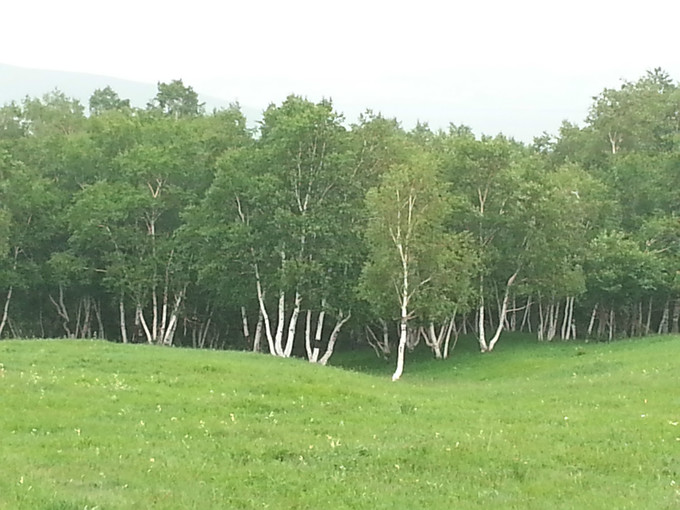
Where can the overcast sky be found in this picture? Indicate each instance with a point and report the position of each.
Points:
(517, 67)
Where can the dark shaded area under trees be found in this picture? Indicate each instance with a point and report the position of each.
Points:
(174, 226)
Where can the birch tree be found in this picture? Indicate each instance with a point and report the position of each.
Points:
(412, 259)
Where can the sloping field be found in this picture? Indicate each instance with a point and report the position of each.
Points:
(108, 426)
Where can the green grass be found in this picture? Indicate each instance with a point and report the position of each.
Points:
(560, 426)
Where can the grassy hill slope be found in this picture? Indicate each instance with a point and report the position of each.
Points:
(101, 425)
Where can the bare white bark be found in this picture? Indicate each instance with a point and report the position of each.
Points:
(5, 309)
(263, 311)
(381, 347)
(663, 324)
(648, 323)
(258, 333)
(169, 333)
(334, 337)
(308, 336)
(244, 323)
(438, 341)
(504, 310)
(278, 339)
(319, 332)
(400, 351)
(592, 320)
(62, 311)
(142, 321)
(123, 329)
(526, 317)
(292, 326)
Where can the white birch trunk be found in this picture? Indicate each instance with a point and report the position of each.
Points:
(278, 339)
(381, 347)
(593, 315)
(482, 334)
(123, 329)
(169, 332)
(648, 324)
(142, 321)
(526, 316)
(244, 324)
(333, 338)
(5, 309)
(403, 325)
(154, 315)
(263, 311)
(258, 333)
(433, 340)
(504, 311)
(400, 350)
(564, 330)
(663, 324)
(451, 330)
(308, 335)
(292, 326)
(675, 320)
(62, 311)
(319, 332)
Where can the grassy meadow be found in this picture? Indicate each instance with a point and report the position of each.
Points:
(91, 424)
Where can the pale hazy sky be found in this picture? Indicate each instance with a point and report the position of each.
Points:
(518, 67)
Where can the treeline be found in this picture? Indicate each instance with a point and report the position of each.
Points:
(174, 226)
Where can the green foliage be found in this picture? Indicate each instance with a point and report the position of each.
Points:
(106, 99)
(407, 239)
(176, 100)
(131, 207)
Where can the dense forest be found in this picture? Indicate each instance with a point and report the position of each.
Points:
(170, 225)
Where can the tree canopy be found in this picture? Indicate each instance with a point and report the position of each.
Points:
(169, 225)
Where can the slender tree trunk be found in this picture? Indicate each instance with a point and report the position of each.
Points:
(5, 310)
(381, 347)
(292, 326)
(334, 337)
(100, 324)
(258, 333)
(278, 339)
(540, 329)
(564, 330)
(648, 323)
(504, 310)
(451, 330)
(400, 350)
(142, 321)
(244, 322)
(62, 311)
(308, 336)
(403, 323)
(154, 314)
(433, 340)
(675, 321)
(169, 332)
(263, 311)
(121, 310)
(592, 320)
(663, 324)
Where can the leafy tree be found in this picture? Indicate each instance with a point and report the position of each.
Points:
(176, 100)
(414, 265)
(106, 99)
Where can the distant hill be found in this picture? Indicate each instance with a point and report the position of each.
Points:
(17, 82)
